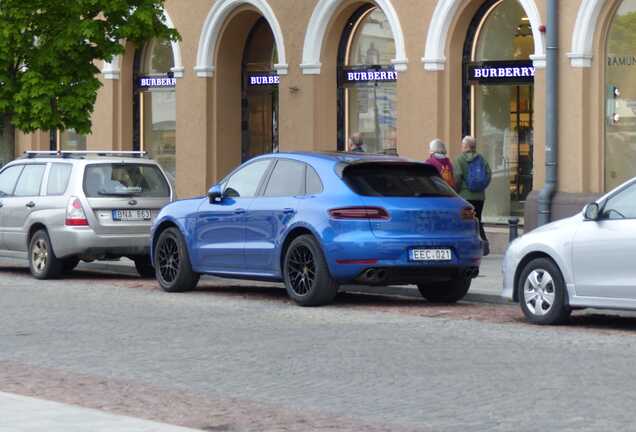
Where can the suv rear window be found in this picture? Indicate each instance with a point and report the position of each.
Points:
(396, 180)
(127, 180)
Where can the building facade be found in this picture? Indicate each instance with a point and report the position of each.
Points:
(255, 76)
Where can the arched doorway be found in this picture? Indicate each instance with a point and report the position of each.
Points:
(498, 102)
(259, 111)
(367, 90)
(155, 104)
(620, 76)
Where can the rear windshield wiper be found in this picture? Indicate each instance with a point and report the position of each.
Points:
(117, 194)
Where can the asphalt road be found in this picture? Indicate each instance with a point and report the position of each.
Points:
(243, 358)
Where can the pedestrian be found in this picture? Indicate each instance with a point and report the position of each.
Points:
(355, 143)
(472, 177)
(439, 159)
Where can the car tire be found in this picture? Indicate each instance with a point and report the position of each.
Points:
(42, 260)
(542, 293)
(172, 263)
(144, 267)
(307, 278)
(445, 292)
(69, 264)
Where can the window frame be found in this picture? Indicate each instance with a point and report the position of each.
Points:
(48, 177)
(6, 168)
(260, 188)
(603, 204)
(42, 180)
(271, 174)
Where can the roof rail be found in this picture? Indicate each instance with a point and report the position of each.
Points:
(69, 153)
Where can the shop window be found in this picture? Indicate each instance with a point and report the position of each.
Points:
(260, 93)
(620, 73)
(367, 102)
(155, 104)
(498, 103)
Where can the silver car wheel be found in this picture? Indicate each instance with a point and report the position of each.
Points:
(539, 292)
(39, 255)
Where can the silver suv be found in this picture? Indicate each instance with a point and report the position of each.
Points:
(59, 208)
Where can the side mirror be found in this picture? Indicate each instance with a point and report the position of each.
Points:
(592, 212)
(215, 194)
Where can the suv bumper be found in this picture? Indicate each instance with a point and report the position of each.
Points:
(85, 243)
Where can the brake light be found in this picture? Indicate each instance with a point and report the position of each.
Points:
(373, 213)
(75, 215)
(468, 213)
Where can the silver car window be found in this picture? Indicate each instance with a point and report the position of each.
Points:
(59, 175)
(622, 205)
(125, 179)
(30, 181)
(8, 178)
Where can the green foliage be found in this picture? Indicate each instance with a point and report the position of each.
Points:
(49, 50)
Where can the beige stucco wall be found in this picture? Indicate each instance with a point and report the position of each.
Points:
(429, 102)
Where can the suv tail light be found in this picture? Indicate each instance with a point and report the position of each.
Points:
(374, 213)
(75, 215)
(468, 213)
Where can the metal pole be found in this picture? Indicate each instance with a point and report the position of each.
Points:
(552, 107)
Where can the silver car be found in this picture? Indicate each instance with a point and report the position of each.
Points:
(586, 261)
(59, 209)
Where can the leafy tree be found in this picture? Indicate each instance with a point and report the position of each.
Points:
(50, 49)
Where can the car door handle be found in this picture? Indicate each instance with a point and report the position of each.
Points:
(288, 210)
(240, 211)
(30, 204)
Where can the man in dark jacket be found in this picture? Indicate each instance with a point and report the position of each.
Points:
(475, 198)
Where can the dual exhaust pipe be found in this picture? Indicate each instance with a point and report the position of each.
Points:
(380, 276)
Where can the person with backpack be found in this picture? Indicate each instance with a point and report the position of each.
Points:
(439, 159)
(472, 178)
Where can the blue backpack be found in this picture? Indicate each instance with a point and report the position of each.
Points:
(477, 178)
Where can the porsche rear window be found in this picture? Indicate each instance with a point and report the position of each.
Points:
(396, 180)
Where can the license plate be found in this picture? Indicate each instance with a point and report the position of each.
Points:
(431, 255)
(131, 215)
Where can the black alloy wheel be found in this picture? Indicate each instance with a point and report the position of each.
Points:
(307, 278)
(172, 263)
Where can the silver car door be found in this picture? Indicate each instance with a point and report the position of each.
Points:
(8, 178)
(604, 251)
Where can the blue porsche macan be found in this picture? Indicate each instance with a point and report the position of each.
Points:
(319, 220)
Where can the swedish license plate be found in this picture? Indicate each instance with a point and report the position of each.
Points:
(430, 255)
(131, 215)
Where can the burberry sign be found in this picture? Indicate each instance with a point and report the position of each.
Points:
(498, 72)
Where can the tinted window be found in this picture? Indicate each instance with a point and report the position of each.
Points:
(30, 181)
(244, 183)
(314, 185)
(113, 180)
(622, 205)
(396, 180)
(59, 175)
(288, 179)
(8, 179)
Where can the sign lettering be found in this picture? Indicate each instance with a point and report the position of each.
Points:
(261, 80)
(156, 82)
(353, 76)
(499, 72)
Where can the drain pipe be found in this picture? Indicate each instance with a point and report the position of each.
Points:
(552, 115)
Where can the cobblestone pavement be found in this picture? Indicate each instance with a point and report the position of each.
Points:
(243, 358)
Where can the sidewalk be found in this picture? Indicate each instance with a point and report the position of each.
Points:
(25, 414)
(485, 289)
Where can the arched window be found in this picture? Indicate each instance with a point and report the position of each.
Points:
(498, 102)
(367, 102)
(155, 104)
(260, 93)
(620, 75)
